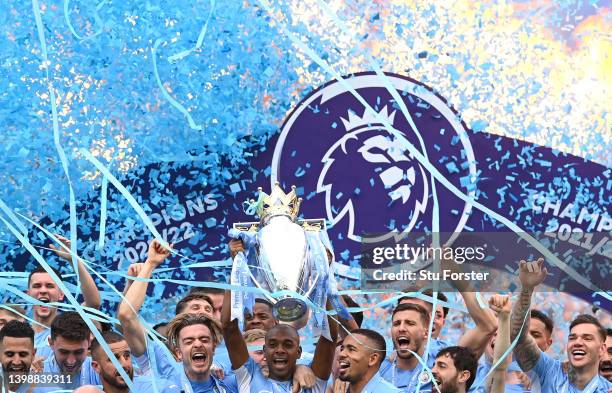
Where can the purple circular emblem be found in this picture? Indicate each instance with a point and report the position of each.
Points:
(336, 146)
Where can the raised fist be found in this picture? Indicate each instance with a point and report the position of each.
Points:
(134, 269)
(157, 253)
(500, 304)
(235, 246)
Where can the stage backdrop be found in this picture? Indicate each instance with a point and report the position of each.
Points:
(494, 117)
(354, 172)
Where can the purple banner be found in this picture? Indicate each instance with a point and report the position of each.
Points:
(352, 171)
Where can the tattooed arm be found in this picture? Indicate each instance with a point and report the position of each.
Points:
(526, 352)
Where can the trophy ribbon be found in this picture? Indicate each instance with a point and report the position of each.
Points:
(242, 301)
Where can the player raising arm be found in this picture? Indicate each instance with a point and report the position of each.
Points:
(585, 344)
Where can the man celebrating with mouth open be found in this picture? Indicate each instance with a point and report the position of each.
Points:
(585, 344)
(361, 355)
(42, 287)
(282, 350)
(70, 340)
(192, 338)
(409, 335)
(454, 370)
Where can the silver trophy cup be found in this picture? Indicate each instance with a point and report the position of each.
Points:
(282, 253)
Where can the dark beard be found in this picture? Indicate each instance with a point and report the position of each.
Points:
(407, 355)
(344, 378)
(112, 380)
(348, 379)
(606, 365)
(11, 369)
(449, 387)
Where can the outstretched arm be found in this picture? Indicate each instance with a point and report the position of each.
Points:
(134, 298)
(133, 271)
(501, 305)
(477, 338)
(346, 325)
(236, 346)
(325, 350)
(526, 352)
(91, 295)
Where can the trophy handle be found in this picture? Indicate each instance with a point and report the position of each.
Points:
(264, 291)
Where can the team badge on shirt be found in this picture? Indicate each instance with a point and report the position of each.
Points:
(424, 377)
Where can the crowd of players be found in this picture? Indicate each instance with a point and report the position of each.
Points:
(203, 350)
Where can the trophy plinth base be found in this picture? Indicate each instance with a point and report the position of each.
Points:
(289, 310)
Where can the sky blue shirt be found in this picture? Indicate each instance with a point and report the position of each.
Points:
(480, 381)
(212, 385)
(41, 343)
(250, 379)
(378, 385)
(408, 380)
(204, 387)
(481, 374)
(163, 363)
(87, 376)
(145, 383)
(222, 359)
(554, 380)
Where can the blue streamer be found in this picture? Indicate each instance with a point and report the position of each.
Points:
(131, 200)
(7, 210)
(71, 27)
(168, 97)
(71, 299)
(56, 136)
(200, 40)
(103, 201)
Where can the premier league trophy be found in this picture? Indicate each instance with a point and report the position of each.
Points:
(286, 259)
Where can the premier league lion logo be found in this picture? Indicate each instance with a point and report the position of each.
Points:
(397, 177)
(360, 154)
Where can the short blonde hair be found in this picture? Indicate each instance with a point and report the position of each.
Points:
(252, 335)
(183, 320)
